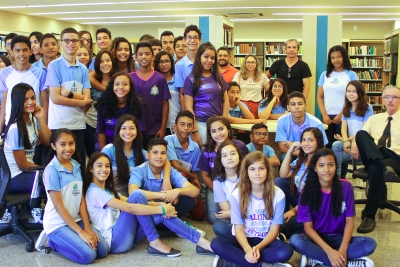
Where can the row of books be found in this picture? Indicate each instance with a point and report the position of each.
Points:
(362, 50)
(275, 49)
(391, 45)
(228, 38)
(375, 100)
(386, 63)
(366, 62)
(394, 63)
(238, 61)
(246, 49)
(271, 60)
(369, 75)
(373, 87)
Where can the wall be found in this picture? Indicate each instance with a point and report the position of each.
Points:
(366, 30)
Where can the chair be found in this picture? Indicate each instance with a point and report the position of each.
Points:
(18, 205)
(361, 173)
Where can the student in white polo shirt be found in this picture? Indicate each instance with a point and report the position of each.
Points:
(68, 82)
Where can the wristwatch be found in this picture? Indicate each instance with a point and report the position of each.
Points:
(70, 95)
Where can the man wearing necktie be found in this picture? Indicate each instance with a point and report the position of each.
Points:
(378, 145)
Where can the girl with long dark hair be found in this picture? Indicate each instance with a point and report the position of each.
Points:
(274, 105)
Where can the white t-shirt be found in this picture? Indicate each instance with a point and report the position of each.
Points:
(250, 89)
(335, 89)
(103, 218)
(12, 143)
(223, 190)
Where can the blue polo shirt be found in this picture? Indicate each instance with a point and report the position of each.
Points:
(60, 73)
(188, 158)
(143, 177)
(355, 123)
(109, 150)
(182, 69)
(237, 112)
(267, 150)
(275, 110)
(287, 130)
(40, 65)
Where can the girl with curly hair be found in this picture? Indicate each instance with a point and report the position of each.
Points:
(327, 209)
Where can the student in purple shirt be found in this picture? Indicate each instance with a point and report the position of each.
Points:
(205, 91)
(119, 98)
(153, 87)
(327, 209)
(218, 131)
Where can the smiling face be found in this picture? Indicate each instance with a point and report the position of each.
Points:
(144, 56)
(192, 40)
(103, 41)
(223, 58)
(309, 143)
(257, 173)
(229, 157)
(35, 45)
(21, 53)
(337, 60)
(83, 55)
(325, 169)
(71, 48)
(351, 93)
(165, 64)
(101, 170)
(277, 89)
(180, 49)
(87, 40)
(219, 132)
(30, 102)
(64, 146)
(122, 53)
(128, 131)
(207, 59)
(157, 156)
(168, 44)
(50, 48)
(105, 63)
(251, 63)
(121, 86)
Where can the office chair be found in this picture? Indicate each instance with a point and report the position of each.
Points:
(18, 204)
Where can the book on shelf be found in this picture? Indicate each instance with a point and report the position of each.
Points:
(228, 38)
(238, 61)
(394, 44)
(386, 46)
(271, 60)
(373, 87)
(362, 50)
(394, 63)
(386, 63)
(375, 100)
(369, 75)
(278, 49)
(366, 62)
(245, 49)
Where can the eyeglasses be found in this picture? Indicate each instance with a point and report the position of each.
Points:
(393, 97)
(67, 41)
(164, 61)
(195, 38)
(289, 72)
(83, 39)
(8, 44)
(277, 86)
(259, 134)
(251, 63)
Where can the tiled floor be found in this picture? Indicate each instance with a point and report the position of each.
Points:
(387, 234)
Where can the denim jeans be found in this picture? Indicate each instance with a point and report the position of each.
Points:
(222, 227)
(341, 156)
(211, 207)
(127, 233)
(359, 246)
(202, 128)
(292, 199)
(68, 243)
(23, 183)
(230, 250)
(184, 205)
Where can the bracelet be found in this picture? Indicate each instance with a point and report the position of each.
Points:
(344, 141)
(195, 131)
(163, 210)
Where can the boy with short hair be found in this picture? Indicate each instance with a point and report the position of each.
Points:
(69, 86)
(153, 88)
(7, 45)
(21, 71)
(156, 46)
(259, 139)
(103, 41)
(49, 46)
(167, 41)
(291, 125)
(180, 48)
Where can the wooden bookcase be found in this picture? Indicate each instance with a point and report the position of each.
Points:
(275, 50)
(242, 48)
(391, 62)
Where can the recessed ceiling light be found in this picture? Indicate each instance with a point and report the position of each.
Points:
(134, 22)
(139, 17)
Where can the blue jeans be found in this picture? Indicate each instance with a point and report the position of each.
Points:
(292, 199)
(184, 205)
(211, 207)
(341, 156)
(127, 233)
(359, 246)
(230, 250)
(23, 183)
(68, 243)
(222, 228)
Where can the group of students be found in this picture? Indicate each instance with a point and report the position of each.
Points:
(93, 209)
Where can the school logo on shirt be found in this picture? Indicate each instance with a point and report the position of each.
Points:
(335, 81)
(74, 88)
(75, 190)
(154, 90)
(343, 207)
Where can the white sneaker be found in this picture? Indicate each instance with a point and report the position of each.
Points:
(360, 262)
(41, 242)
(37, 214)
(309, 262)
(276, 264)
(281, 237)
(202, 233)
(6, 217)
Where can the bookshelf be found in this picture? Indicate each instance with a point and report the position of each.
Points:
(228, 41)
(2, 43)
(275, 50)
(391, 62)
(366, 58)
(243, 48)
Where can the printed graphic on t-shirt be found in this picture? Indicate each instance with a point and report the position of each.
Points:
(335, 81)
(111, 121)
(75, 190)
(35, 141)
(154, 90)
(73, 86)
(260, 223)
(343, 207)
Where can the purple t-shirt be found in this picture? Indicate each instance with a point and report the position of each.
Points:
(153, 91)
(208, 100)
(106, 125)
(206, 162)
(323, 220)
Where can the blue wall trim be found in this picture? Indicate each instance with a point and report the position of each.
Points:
(204, 25)
(321, 54)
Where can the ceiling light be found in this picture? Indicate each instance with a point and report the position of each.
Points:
(234, 20)
(134, 22)
(139, 17)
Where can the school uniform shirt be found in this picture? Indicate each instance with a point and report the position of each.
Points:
(69, 184)
(355, 123)
(334, 88)
(12, 143)
(188, 158)
(106, 125)
(250, 90)
(109, 150)
(183, 69)
(9, 77)
(40, 65)
(60, 73)
(143, 177)
(237, 112)
(287, 130)
(257, 224)
(323, 220)
(208, 100)
(174, 102)
(102, 218)
(153, 91)
(206, 162)
(229, 73)
(223, 190)
(267, 150)
(275, 110)
(301, 175)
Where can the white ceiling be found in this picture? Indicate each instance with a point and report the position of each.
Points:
(102, 12)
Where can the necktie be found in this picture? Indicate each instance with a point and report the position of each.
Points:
(386, 135)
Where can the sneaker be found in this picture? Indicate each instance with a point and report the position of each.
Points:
(360, 262)
(202, 233)
(37, 215)
(309, 262)
(276, 264)
(220, 262)
(42, 241)
(6, 217)
(281, 237)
